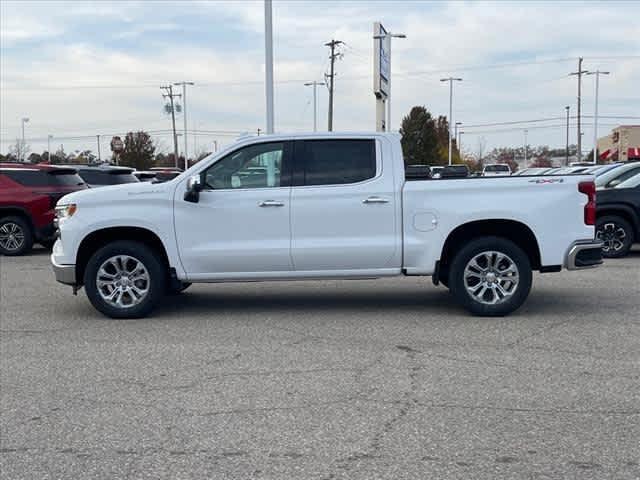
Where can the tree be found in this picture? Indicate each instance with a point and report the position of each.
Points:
(541, 162)
(19, 150)
(419, 138)
(138, 151)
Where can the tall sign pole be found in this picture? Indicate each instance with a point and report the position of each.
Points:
(268, 63)
(597, 73)
(381, 77)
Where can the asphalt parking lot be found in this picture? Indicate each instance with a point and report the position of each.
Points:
(322, 380)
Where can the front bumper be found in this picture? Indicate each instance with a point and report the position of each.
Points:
(584, 254)
(64, 273)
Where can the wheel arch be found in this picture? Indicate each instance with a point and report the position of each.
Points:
(513, 230)
(99, 238)
(14, 211)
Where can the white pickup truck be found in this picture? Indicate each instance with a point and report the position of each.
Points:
(319, 206)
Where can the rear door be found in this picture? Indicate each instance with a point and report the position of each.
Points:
(342, 207)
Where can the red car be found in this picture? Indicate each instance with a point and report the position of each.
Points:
(28, 196)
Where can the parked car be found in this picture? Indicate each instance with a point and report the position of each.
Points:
(618, 217)
(103, 175)
(495, 169)
(165, 174)
(145, 175)
(339, 208)
(618, 175)
(28, 195)
(436, 170)
(533, 171)
(454, 171)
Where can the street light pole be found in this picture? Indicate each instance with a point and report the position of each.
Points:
(23, 144)
(567, 147)
(460, 133)
(525, 147)
(268, 55)
(49, 137)
(455, 134)
(450, 80)
(184, 118)
(315, 102)
(597, 73)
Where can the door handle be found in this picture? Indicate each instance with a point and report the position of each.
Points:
(270, 203)
(375, 200)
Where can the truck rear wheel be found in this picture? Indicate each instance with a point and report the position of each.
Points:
(490, 276)
(125, 279)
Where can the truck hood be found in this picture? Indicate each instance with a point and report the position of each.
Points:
(126, 191)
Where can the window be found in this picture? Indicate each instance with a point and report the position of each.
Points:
(40, 178)
(336, 162)
(255, 166)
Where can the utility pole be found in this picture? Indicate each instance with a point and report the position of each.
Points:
(450, 80)
(567, 108)
(455, 134)
(597, 73)
(314, 84)
(170, 95)
(184, 118)
(99, 156)
(23, 146)
(268, 63)
(579, 75)
(332, 44)
(49, 137)
(525, 147)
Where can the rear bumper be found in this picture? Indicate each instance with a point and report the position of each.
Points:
(64, 273)
(584, 254)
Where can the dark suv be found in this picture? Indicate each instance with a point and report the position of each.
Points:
(618, 217)
(103, 175)
(28, 196)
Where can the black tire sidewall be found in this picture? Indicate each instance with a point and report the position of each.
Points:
(498, 244)
(149, 258)
(28, 236)
(622, 223)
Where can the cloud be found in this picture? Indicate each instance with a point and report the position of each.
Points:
(134, 47)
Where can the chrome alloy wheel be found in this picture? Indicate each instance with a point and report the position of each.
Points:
(613, 237)
(123, 281)
(11, 236)
(491, 277)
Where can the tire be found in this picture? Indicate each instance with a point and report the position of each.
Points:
(171, 290)
(617, 235)
(48, 244)
(16, 237)
(497, 283)
(132, 274)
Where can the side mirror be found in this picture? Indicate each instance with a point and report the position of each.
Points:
(194, 187)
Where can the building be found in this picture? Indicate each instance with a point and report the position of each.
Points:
(621, 145)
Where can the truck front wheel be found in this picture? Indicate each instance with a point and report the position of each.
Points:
(125, 279)
(490, 276)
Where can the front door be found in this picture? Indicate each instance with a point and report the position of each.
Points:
(240, 227)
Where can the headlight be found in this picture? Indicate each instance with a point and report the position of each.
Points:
(66, 211)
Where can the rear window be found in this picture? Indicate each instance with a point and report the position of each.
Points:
(337, 162)
(40, 178)
(97, 177)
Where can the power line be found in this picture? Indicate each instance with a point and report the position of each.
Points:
(536, 120)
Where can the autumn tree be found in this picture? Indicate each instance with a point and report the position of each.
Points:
(138, 151)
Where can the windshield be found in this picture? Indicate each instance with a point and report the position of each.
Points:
(605, 178)
(632, 182)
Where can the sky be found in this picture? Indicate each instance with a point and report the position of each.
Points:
(80, 69)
